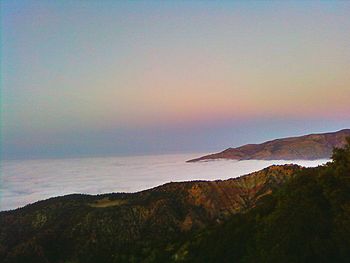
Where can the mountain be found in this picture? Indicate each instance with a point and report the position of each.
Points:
(121, 226)
(308, 147)
(279, 214)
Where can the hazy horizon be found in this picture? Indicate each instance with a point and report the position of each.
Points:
(195, 153)
(105, 78)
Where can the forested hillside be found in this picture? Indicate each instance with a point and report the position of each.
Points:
(307, 220)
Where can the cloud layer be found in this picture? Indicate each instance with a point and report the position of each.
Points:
(27, 181)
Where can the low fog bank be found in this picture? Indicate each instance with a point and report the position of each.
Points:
(27, 181)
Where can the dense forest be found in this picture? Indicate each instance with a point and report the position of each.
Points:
(303, 218)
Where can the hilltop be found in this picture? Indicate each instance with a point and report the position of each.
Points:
(307, 147)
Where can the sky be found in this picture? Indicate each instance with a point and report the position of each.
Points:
(95, 78)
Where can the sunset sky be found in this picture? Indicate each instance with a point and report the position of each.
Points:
(81, 78)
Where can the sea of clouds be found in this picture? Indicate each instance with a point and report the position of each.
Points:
(27, 181)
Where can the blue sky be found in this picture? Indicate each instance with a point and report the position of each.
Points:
(83, 78)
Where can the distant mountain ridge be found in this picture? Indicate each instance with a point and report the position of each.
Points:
(307, 147)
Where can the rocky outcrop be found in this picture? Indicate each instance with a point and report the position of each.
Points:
(308, 147)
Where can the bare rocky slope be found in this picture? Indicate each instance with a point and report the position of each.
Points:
(308, 147)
